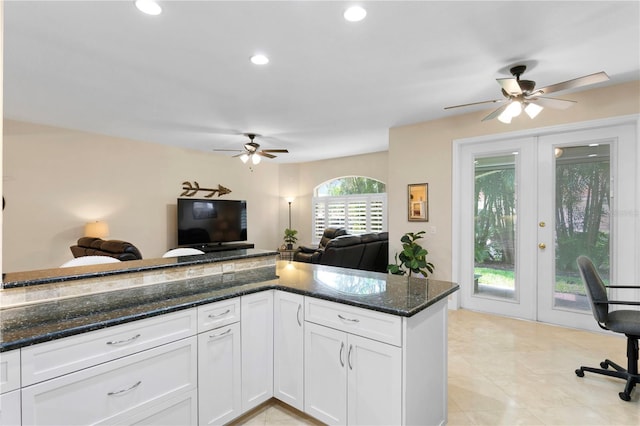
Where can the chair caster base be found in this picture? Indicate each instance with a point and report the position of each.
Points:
(624, 396)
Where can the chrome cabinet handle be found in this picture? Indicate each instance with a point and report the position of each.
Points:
(341, 351)
(298, 315)
(125, 390)
(348, 319)
(220, 315)
(349, 357)
(213, 336)
(123, 342)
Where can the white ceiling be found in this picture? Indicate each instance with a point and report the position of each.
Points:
(332, 88)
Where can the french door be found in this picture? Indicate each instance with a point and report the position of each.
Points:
(528, 206)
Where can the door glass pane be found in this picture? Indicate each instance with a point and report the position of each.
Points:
(495, 226)
(581, 219)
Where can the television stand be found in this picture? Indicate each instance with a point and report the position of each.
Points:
(209, 248)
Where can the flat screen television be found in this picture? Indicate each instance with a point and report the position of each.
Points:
(203, 221)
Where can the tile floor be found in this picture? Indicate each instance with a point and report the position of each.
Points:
(504, 371)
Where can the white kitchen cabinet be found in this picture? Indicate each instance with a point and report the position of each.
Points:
(219, 375)
(217, 314)
(256, 324)
(62, 356)
(351, 379)
(110, 391)
(10, 388)
(374, 382)
(325, 379)
(181, 410)
(288, 348)
(10, 408)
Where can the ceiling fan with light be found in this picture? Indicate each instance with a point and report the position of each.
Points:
(253, 152)
(522, 95)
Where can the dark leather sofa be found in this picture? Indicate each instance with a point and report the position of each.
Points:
(90, 246)
(369, 252)
(310, 254)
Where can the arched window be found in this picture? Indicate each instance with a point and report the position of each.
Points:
(357, 203)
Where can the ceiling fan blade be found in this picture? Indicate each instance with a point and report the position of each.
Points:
(510, 85)
(265, 154)
(284, 151)
(552, 103)
(493, 101)
(496, 113)
(598, 77)
(239, 155)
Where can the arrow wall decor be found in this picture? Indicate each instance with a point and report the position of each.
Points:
(192, 189)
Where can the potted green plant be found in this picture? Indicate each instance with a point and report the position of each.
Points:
(290, 238)
(413, 257)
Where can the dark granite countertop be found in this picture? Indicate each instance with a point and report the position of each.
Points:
(397, 295)
(48, 276)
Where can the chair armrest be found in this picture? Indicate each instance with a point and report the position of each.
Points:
(616, 302)
(622, 286)
(307, 249)
(315, 257)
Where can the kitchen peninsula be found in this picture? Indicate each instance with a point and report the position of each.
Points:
(344, 346)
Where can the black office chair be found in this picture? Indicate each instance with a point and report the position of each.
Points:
(626, 322)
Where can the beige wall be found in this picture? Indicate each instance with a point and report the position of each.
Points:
(423, 153)
(56, 180)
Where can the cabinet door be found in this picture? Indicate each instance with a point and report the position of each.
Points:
(219, 379)
(256, 313)
(288, 350)
(374, 382)
(325, 379)
(10, 408)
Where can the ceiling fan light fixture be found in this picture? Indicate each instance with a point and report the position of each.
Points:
(244, 158)
(259, 59)
(504, 118)
(355, 14)
(533, 110)
(255, 159)
(150, 7)
(514, 109)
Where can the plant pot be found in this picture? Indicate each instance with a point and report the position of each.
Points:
(289, 246)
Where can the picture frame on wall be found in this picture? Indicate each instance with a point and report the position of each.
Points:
(418, 202)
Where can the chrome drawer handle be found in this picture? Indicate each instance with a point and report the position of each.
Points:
(298, 315)
(123, 342)
(348, 319)
(125, 390)
(220, 315)
(341, 351)
(213, 336)
(349, 357)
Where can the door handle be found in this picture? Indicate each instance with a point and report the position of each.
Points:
(542, 245)
(349, 357)
(341, 351)
(298, 314)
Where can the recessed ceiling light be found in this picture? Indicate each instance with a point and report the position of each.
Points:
(150, 7)
(259, 59)
(355, 14)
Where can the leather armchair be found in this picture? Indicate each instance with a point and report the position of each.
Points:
(90, 246)
(311, 254)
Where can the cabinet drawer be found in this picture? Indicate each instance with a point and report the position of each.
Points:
(119, 387)
(52, 359)
(217, 314)
(9, 371)
(363, 322)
